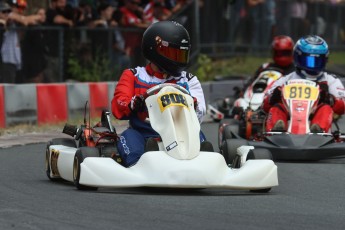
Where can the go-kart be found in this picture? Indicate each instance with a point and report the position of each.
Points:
(297, 143)
(247, 115)
(179, 161)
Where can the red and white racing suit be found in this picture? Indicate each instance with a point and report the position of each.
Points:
(136, 81)
(323, 115)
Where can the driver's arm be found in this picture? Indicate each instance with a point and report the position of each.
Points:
(123, 94)
(336, 88)
(196, 91)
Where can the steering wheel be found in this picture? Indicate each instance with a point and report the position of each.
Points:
(155, 89)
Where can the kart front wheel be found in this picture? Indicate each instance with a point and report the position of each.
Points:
(48, 161)
(229, 149)
(226, 130)
(257, 154)
(79, 157)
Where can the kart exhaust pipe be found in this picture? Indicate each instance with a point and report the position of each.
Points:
(70, 129)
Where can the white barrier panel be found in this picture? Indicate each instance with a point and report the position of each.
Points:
(78, 94)
(20, 103)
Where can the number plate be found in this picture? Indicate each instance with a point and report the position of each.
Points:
(300, 92)
(171, 99)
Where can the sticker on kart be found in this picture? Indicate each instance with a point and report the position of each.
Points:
(171, 99)
(301, 92)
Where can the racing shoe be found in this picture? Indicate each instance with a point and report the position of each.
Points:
(315, 128)
(279, 126)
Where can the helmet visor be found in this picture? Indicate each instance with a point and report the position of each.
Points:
(312, 62)
(173, 52)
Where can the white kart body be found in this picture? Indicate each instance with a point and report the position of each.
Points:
(179, 162)
(254, 95)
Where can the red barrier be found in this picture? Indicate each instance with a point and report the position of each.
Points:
(2, 107)
(98, 98)
(51, 103)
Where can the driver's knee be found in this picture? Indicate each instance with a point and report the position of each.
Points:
(131, 146)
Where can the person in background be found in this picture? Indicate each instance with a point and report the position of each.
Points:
(132, 17)
(34, 52)
(310, 57)
(59, 14)
(282, 56)
(166, 45)
(156, 11)
(11, 53)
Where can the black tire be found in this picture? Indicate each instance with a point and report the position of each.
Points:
(79, 157)
(57, 141)
(221, 130)
(206, 146)
(229, 149)
(257, 154)
(70, 142)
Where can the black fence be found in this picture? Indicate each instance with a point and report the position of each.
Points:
(219, 29)
(232, 27)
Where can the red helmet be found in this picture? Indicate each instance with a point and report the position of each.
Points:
(282, 49)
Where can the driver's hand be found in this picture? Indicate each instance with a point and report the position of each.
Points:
(137, 103)
(325, 96)
(195, 102)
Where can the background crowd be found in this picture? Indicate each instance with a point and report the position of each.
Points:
(96, 36)
(94, 40)
(249, 25)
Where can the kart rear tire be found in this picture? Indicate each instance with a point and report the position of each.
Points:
(257, 154)
(229, 149)
(56, 141)
(79, 157)
(224, 131)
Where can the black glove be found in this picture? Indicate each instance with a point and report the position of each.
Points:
(276, 96)
(137, 103)
(325, 97)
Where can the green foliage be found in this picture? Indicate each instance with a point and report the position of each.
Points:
(208, 69)
(205, 68)
(89, 69)
(247, 65)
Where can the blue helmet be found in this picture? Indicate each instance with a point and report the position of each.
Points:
(311, 55)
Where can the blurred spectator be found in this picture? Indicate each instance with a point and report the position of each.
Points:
(84, 13)
(11, 53)
(262, 16)
(132, 16)
(175, 6)
(298, 19)
(155, 11)
(5, 10)
(120, 55)
(34, 52)
(102, 38)
(58, 15)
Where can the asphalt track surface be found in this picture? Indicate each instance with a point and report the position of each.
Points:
(310, 196)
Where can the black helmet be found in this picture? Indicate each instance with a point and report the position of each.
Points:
(167, 45)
